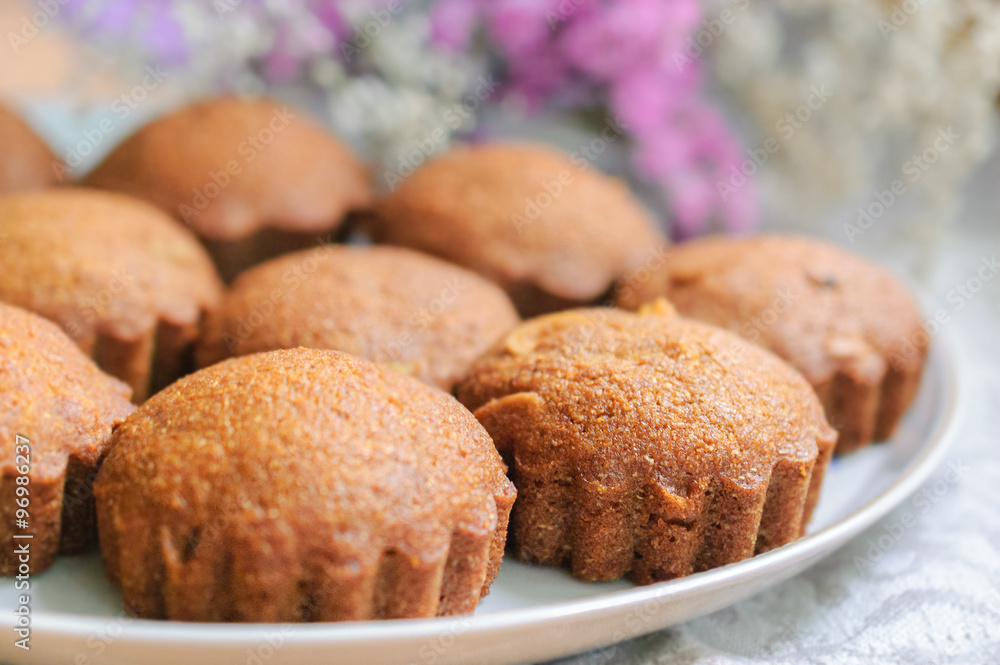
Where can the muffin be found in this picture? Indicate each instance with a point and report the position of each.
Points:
(57, 411)
(415, 313)
(551, 231)
(302, 485)
(850, 327)
(252, 178)
(648, 445)
(125, 281)
(26, 162)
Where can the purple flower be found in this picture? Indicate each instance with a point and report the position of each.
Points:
(611, 40)
(331, 18)
(520, 27)
(165, 36)
(645, 97)
(692, 199)
(453, 21)
(113, 18)
(659, 153)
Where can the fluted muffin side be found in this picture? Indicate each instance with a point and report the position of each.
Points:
(57, 412)
(648, 446)
(302, 485)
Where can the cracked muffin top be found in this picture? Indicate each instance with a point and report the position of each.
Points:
(650, 395)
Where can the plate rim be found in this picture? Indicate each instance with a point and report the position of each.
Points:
(945, 353)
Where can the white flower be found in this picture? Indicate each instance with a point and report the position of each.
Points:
(902, 72)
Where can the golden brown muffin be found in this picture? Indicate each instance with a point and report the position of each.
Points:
(849, 326)
(648, 445)
(26, 162)
(57, 411)
(125, 281)
(552, 232)
(394, 306)
(253, 178)
(302, 485)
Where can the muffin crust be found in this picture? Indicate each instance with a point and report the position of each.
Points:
(252, 178)
(551, 232)
(848, 325)
(122, 279)
(55, 397)
(302, 485)
(648, 445)
(415, 313)
(26, 162)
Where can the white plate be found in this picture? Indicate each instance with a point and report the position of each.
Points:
(532, 613)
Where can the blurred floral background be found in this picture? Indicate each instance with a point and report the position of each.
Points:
(726, 114)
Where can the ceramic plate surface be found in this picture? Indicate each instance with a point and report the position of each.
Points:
(531, 614)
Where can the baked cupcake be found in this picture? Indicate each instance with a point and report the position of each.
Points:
(648, 445)
(302, 485)
(850, 327)
(26, 162)
(57, 411)
(125, 281)
(415, 313)
(253, 178)
(550, 230)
